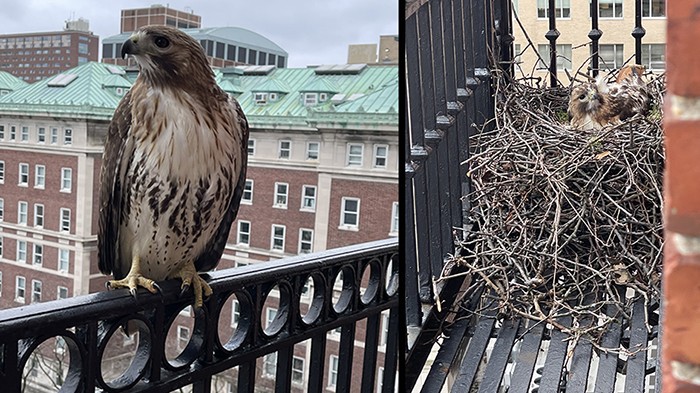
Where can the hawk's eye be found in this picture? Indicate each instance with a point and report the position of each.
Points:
(582, 96)
(162, 42)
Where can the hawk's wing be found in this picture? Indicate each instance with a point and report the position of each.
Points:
(628, 98)
(215, 248)
(118, 151)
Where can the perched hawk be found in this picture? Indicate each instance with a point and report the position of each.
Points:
(174, 168)
(596, 104)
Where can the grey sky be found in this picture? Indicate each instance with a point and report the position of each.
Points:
(312, 31)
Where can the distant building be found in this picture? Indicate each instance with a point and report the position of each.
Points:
(367, 53)
(157, 14)
(616, 46)
(224, 47)
(323, 173)
(35, 56)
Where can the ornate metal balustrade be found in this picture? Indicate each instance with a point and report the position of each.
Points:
(349, 287)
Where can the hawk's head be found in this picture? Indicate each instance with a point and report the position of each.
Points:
(586, 99)
(166, 55)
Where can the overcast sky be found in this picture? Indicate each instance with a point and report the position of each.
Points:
(311, 31)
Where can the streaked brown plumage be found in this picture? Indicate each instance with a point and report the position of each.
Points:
(173, 170)
(596, 104)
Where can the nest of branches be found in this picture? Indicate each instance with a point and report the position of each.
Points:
(560, 214)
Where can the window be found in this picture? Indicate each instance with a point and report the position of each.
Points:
(281, 191)
(611, 56)
(21, 251)
(20, 286)
(235, 313)
(41, 135)
(260, 98)
(350, 214)
(63, 260)
(0, 275)
(38, 256)
(23, 174)
(563, 56)
(312, 150)
(39, 176)
(244, 232)
(308, 198)
(610, 8)
(24, 134)
(13, 133)
(247, 197)
(562, 8)
(654, 8)
(38, 215)
(67, 136)
(36, 291)
(333, 371)
(54, 136)
(2, 132)
(0, 247)
(251, 147)
(183, 337)
(66, 179)
(355, 154)
(65, 220)
(297, 370)
(394, 219)
(22, 208)
(271, 311)
(62, 292)
(2, 209)
(2, 172)
(380, 155)
(385, 328)
(306, 238)
(278, 238)
(654, 56)
(285, 149)
(310, 99)
(270, 365)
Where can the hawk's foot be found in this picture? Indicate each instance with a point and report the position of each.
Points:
(190, 278)
(133, 281)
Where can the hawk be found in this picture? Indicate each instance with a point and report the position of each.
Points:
(173, 169)
(595, 104)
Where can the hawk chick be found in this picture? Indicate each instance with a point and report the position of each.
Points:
(596, 104)
(173, 170)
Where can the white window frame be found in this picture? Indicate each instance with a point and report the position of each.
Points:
(67, 136)
(649, 4)
(274, 237)
(54, 136)
(22, 212)
(543, 9)
(310, 151)
(376, 156)
(23, 177)
(646, 57)
(2, 172)
(615, 5)
(37, 288)
(235, 313)
(564, 56)
(333, 362)
(2, 209)
(38, 255)
(38, 215)
(394, 229)
(281, 200)
(260, 98)
(66, 179)
(287, 151)
(13, 133)
(24, 134)
(2, 132)
(41, 135)
(618, 57)
(307, 199)
(251, 147)
(240, 233)
(1, 246)
(344, 211)
(20, 287)
(180, 338)
(355, 159)
(248, 190)
(269, 362)
(58, 292)
(39, 176)
(303, 242)
(63, 259)
(64, 219)
(21, 251)
(300, 372)
(310, 99)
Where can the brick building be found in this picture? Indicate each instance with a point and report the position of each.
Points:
(157, 14)
(36, 56)
(323, 173)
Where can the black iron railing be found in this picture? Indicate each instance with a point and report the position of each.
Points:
(349, 288)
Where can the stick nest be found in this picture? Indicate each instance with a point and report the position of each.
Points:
(558, 213)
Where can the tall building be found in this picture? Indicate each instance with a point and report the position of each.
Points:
(323, 173)
(388, 52)
(616, 21)
(224, 47)
(36, 56)
(157, 14)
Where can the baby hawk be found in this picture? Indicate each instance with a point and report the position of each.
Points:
(596, 104)
(173, 170)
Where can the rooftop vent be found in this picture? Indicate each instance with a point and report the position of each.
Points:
(340, 69)
(256, 70)
(62, 80)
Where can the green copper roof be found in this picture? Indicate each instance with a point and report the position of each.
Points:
(88, 89)
(271, 86)
(383, 100)
(320, 84)
(10, 82)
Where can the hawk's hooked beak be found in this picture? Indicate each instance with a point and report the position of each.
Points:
(130, 46)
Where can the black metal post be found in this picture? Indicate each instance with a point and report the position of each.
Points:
(638, 31)
(552, 36)
(594, 35)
